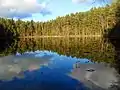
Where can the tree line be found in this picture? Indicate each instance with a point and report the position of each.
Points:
(97, 21)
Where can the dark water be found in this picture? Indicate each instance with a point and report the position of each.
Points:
(59, 64)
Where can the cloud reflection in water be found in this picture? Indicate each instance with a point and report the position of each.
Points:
(52, 68)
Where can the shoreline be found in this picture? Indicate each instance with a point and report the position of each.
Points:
(61, 36)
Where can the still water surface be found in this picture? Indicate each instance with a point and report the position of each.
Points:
(58, 64)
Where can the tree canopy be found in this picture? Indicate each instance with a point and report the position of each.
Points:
(97, 21)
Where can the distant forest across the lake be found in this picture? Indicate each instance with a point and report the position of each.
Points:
(98, 22)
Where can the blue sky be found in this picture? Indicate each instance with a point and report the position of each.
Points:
(43, 10)
(61, 8)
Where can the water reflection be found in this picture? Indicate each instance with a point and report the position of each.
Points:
(116, 64)
(46, 70)
(95, 49)
(7, 46)
(11, 66)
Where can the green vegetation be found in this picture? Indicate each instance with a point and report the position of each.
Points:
(97, 21)
(94, 48)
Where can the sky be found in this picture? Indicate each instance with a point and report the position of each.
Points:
(43, 10)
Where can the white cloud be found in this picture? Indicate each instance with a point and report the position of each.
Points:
(79, 1)
(92, 1)
(87, 1)
(22, 8)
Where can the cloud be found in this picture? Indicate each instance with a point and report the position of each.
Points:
(22, 8)
(79, 1)
(86, 2)
(92, 1)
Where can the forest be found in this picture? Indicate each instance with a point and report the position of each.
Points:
(96, 22)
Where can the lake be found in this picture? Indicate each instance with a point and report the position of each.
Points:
(59, 63)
